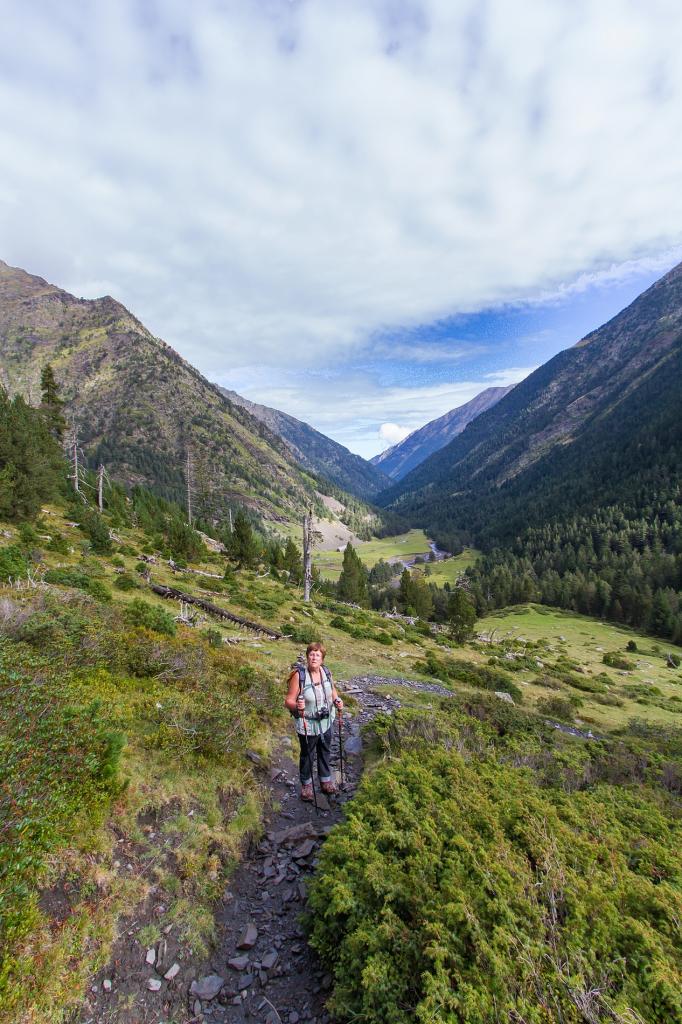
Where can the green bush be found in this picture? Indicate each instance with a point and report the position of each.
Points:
(631, 646)
(124, 581)
(557, 707)
(80, 581)
(148, 616)
(458, 891)
(614, 659)
(13, 563)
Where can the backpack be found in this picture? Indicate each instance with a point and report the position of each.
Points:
(301, 669)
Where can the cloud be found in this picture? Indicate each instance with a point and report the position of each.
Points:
(352, 406)
(288, 191)
(391, 433)
(286, 181)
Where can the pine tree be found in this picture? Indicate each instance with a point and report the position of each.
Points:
(30, 460)
(461, 615)
(51, 404)
(352, 585)
(244, 546)
(293, 561)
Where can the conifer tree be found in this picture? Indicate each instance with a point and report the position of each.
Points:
(293, 561)
(30, 460)
(51, 403)
(244, 546)
(352, 585)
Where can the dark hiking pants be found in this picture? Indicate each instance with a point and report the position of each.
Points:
(317, 745)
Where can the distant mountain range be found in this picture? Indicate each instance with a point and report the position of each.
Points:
(317, 452)
(397, 461)
(585, 429)
(138, 406)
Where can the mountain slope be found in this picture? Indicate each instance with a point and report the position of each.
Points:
(557, 442)
(137, 405)
(317, 452)
(407, 454)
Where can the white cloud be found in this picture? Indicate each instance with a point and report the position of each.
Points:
(392, 433)
(282, 184)
(352, 406)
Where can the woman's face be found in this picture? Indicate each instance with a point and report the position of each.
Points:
(314, 659)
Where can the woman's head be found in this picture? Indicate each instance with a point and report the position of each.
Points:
(314, 649)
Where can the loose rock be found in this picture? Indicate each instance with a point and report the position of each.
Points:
(207, 988)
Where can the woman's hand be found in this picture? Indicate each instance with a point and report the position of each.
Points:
(338, 704)
(300, 705)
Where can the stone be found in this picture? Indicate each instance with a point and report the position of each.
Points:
(503, 695)
(304, 850)
(151, 957)
(270, 959)
(153, 984)
(207, 988)
(238, 963)
(106, 985)
(254, 757)
(245, 981)
(249, 938)
(196, 1007)
(172, 972)
(294, 1017)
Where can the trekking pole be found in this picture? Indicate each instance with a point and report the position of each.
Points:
(310, 765)
(340, 714)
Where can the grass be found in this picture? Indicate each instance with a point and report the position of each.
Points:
(585, 641)
(162, 777)
(449, 570)
(404, 546)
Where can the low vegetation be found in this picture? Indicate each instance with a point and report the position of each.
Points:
(490, 869)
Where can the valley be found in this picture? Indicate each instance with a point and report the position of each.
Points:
(496, 731)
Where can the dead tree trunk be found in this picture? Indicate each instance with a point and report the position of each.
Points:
(188, 475)
(307, 554)
(100, 487)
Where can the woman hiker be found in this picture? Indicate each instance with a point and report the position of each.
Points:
(312, 700)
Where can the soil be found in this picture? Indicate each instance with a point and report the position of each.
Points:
(262, 969)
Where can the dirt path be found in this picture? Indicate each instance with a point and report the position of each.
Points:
(262, 969)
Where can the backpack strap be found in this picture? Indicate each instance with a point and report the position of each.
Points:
(301, 677)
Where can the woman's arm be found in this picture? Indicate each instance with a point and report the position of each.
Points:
(292, 693)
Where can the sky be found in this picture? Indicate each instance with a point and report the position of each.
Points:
(362, 212)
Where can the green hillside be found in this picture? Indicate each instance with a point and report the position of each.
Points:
(139, 408)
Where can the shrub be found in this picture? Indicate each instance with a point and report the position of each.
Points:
(557, 707)
(614, 659)
(631, 646)
(124, 581)
(149, 616)
(458, 890)
(13, 563)
(80, 581)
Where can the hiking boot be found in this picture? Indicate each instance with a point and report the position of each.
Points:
(328, 787)
(307, 792)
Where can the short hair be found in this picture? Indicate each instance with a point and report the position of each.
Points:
(316, 646)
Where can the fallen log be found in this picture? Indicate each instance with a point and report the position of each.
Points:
(213, 609)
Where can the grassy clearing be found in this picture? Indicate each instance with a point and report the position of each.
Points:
(404, 545)
(451, 569)
(585, 641)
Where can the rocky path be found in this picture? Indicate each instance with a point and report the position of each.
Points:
(262, 969)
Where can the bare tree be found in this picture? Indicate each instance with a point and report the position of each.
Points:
(308, 541)
(100, 487)
(188, 481)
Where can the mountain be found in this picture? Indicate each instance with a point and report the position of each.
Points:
(317, 452)
(138, 407)
(587, 428)
(404, 456)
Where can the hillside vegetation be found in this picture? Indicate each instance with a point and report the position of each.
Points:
(571, 484)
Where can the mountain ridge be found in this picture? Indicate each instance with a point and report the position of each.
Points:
(138, 405)
(407, 454)
(315, 451)
(572, 399)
